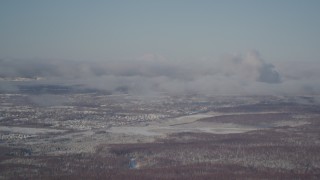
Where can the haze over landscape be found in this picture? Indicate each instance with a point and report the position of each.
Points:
(146, 89)
(217, 47)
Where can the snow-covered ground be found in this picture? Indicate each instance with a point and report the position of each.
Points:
(29, 130)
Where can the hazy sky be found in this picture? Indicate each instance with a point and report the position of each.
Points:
(216, 47)
(176, 29)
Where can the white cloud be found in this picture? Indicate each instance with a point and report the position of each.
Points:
(233, 74)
